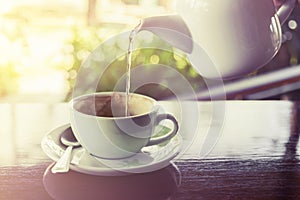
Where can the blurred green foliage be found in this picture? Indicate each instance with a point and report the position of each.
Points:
(83, 42)
(86, 39)
(108, 66)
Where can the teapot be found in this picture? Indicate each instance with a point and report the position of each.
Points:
(223, 39)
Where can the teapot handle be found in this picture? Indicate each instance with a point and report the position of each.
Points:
(285, 10)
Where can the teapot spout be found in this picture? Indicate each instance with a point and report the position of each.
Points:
(170, 28)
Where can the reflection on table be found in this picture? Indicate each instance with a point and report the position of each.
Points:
(255, 155)
(161, 184)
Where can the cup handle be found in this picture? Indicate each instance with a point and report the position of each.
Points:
(285, 10)
(159, 118)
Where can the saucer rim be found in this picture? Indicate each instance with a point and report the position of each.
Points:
(108, 171)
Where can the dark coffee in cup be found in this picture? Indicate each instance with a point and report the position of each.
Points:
(107, 106)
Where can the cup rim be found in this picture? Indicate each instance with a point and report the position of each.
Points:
(71, 104)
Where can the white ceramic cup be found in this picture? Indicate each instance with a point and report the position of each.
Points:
(238, 36)
(105, 131)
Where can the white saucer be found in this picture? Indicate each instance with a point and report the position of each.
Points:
(151, 158)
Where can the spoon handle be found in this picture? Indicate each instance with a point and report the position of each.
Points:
(63, 164)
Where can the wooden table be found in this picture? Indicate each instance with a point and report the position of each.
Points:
(241, 150)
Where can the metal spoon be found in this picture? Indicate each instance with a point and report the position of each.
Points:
(67, 138)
